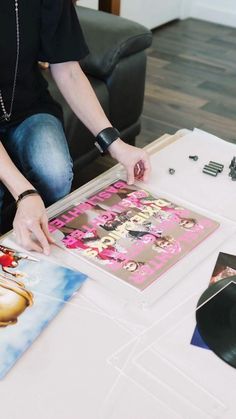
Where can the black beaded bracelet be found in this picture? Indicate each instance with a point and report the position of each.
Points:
(26, 193)
(105, 138)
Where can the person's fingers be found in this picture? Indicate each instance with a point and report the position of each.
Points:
(130, 174)
(24, 239)
(32, 246)
(147, 169)
(42, 239)
(45, 229)
(17, 232)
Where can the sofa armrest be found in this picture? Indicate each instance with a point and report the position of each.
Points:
(109, 38)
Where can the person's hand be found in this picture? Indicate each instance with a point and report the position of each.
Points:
(135, 160)
(31, 223)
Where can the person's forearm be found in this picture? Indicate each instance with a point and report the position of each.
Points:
(10, 176)
(80, 96)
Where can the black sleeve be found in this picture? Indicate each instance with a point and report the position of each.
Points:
(61, 37)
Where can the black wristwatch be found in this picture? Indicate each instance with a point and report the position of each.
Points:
(105, 138)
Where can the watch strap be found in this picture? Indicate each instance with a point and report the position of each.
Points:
(105, 138)
(26, 193)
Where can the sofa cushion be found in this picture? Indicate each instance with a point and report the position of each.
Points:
(76, 133)
(118, 38)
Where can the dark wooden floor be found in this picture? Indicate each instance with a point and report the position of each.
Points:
(191, 82)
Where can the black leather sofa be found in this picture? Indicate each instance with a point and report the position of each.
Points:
(116, 69)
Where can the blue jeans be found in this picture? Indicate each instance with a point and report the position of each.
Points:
(39, 149)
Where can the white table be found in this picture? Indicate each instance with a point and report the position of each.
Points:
(119, 360)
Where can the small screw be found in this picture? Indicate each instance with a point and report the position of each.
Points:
(232, 163)
(171, 171)
(195, 158)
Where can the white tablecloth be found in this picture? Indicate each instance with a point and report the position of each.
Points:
(103, 357)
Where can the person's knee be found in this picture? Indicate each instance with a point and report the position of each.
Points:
(49, 165)
(54, 182)
(57, 183)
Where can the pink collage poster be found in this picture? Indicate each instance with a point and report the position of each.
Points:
(130, 233)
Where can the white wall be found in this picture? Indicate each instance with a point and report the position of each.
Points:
(93, 4)
(218, 11)
(153, 13)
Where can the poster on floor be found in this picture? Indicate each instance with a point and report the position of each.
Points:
(32, 292)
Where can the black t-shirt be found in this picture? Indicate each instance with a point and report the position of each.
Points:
(49, 31)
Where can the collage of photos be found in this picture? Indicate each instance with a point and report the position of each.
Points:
(130, 233)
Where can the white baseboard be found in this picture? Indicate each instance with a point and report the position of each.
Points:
(214, 14)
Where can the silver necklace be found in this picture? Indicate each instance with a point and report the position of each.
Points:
(7, 115)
